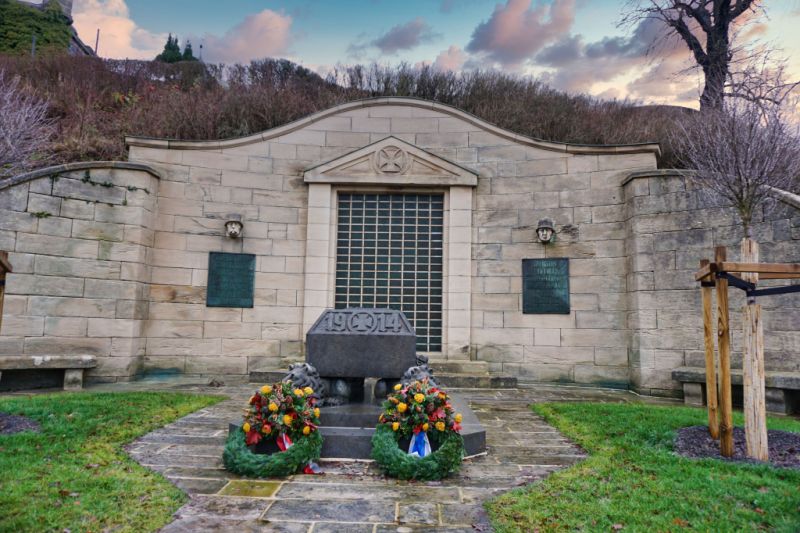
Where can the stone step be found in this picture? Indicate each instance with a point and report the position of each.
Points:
(460, 367)
(477, 380)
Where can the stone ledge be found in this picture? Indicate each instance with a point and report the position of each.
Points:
(72, 167)
(28, 362)
(774, 379)
(781, 393)
(73, 366)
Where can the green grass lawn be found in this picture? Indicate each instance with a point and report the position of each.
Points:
(632, 481)
(74, 475)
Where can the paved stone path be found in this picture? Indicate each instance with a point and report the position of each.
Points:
(354, 496)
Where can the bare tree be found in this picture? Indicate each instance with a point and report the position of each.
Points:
(690, 20)
(740, 153)
(24, 126)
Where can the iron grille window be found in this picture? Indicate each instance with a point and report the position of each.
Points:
(389, 255)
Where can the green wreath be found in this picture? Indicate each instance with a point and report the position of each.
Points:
(238, 458)
(397, 463)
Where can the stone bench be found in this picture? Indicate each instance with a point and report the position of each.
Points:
(782, 388)
(73, 366)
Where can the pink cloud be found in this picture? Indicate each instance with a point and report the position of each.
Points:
(518, 30)
(451, 59)
(120, 37)
(263, 34)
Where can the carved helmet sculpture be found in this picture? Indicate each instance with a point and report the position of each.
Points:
(304, 375)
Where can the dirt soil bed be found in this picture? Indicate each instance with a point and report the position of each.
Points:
(14, 424)
(695, 442)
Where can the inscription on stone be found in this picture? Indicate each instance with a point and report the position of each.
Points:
(361, 343)
(363, 321)
(231, 279)
(545, 286)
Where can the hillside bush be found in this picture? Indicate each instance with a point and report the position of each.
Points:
(20, 22)
(97, 102)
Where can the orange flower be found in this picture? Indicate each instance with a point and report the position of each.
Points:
(425, 426)
(395, 426)
(306, 430)
(401, 407)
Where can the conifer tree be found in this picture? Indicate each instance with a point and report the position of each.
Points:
(188, 54)
(172, 51)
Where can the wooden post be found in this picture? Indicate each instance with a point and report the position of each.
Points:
(724, 343)
(711, 365)
(755, 408)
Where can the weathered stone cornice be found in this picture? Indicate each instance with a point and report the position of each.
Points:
(394, 101)
(72, 167)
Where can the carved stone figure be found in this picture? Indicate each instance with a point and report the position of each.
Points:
(304, 375)
(419, 372)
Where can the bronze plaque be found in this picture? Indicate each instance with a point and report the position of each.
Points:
(545, 286)
(231, 279)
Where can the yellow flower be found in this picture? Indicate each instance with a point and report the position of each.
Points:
(316, 412)
(425, 426)
(306, 430)
(298, 392)
(440, 425)
(458, 418)
(419, 397)
(401, 407)
(287, 419)
(398, 386)
(442, 396)
(266, 389)
(246, 427)
(395, 426)
(308, 390)
(273, 406)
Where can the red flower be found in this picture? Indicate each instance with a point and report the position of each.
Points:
(253, 437)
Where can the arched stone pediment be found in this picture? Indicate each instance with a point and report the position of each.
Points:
(391, 161)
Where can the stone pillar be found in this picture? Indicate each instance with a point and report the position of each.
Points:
(458, 283)
(319, 271)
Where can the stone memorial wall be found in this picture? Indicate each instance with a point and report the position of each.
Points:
(121, 273)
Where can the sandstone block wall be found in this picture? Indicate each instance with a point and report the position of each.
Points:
(113, 270)
(79, 242)
(518, 184)
(671, 227)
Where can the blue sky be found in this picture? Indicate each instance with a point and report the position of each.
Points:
(575, 45)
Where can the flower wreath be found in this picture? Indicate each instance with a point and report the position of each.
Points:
(279, 412)
(418, 408)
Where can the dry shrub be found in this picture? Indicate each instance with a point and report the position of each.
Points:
(97, 102)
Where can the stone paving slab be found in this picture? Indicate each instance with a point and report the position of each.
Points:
(353, 495)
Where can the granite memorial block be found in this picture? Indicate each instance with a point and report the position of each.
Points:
(361, 343)
(231, 280)
(545, 286)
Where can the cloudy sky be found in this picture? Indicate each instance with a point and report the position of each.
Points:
(576, 45)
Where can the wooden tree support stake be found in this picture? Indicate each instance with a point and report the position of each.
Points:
(724, 343)
(711, 366)
(755, 409)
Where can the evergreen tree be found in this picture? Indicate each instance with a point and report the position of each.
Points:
(188, 55)
(172, 52)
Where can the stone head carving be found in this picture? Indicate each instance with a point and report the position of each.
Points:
(304, 375)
